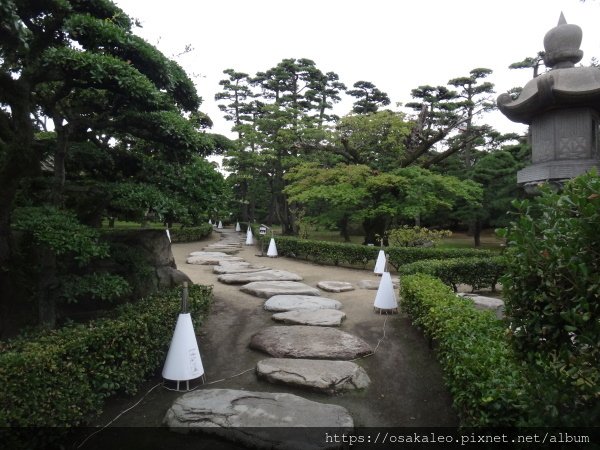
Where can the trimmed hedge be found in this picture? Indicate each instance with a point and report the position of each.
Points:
(337, 253)
(476, 272)
(60, 378)
(191, 234)
(480, 368)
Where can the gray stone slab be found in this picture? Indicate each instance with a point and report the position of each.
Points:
(233, 268)
(374, 284)
(314, 317)
(335, 286)
(210, 258)
(329, 377)
(259, 419)
(267, 289)
(264, 275)
(486, 303)
(302, 341)
(279, 303)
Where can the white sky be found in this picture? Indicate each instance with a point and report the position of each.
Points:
(397, 45)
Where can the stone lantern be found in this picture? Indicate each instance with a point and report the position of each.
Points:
(562, 108)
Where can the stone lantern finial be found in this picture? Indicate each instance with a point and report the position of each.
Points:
(562, 45)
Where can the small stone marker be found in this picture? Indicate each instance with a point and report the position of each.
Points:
(302, 341)
(314, 317)
(335, 286)
(264, 275)
(279, 303)
(329, 377)
(259, 419)
(267, 289)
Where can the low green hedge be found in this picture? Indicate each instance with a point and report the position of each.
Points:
(480, 368)
(60, 378)
(337, 253)
(476, 272)
(191, 234)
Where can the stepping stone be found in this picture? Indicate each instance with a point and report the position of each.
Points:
(302, 341)
(374, 284)
(486, 303)
(264, 275)
(259, 419)
(335, 286)
(228, 250)
(234, 268)
(329, 377)
(315, 317)
(280, 303)
(210, 258)
(267, 289)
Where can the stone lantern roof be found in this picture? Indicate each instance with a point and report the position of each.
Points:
(564, 86)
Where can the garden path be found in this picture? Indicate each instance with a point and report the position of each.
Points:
(406, 387)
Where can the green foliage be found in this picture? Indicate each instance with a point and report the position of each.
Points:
(61, 232)
(61, 378)
(406, 236)
(553, 290)
(353, 254)
(477, 272)
(191, 234)
(95, 286)
(480, 368)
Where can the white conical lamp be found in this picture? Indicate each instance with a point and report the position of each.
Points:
(386, 297)
(380, 264)
(272, 251)
(237, 227)
(220, 226)
(168, 234)
(210, 222)
(249, 237)
(183, 361)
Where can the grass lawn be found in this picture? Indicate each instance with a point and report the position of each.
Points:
(489, 240)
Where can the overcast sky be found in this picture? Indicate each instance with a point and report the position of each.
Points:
(397, 45)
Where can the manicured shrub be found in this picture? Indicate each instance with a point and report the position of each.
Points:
(480, 368)
(360, 255)
(476, 272)
(191, 234)
(406, 236)
(60, 378)
(552, 290)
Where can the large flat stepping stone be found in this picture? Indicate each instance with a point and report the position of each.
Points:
(259, 419)
(486, 303)
(279, 303)
(329, 377)
(241, 268)
(264, 275)
(374, 284)
(210, 258)
(335, 286)
(267, 289)
(314, 317)
(302, 341)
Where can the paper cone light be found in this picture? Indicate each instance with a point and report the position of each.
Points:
(220, 226)
(386, 297)
(380, 264)
(183, 361)
(237, 227)
(249, 238)
(272, 251)
(168, 235)
(210, 221)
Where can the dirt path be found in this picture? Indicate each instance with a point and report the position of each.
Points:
(406, 383)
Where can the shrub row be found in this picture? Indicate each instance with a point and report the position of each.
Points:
(60, 378)
(480, 367)
(191, 234)
(336, 253)
(476, 272)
